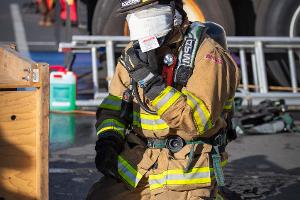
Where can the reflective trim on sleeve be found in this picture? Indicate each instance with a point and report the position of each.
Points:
(179, 177)
(128, 173)
(111, 124)
(112, 103)
(228, 104)
(219, 197)
(201, 114)
(149, 122)
(166, 99)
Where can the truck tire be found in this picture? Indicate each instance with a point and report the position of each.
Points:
(274, 19)
(115, 25)
(213, 10)
(244, 15)
(101, 15)
(219, 12)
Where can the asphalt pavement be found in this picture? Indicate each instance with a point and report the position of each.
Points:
(38, 38)
(260, 167)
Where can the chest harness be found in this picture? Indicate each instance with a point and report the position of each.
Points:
(176, 72)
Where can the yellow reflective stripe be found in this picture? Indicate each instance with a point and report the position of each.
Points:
(231, 99)
(167, 105)
(181, 182)
(166, 99)
(200, 112)
(112, 103)
(228, 104)
(203, 108)
(228, 107)
(179, 171)
(154, 126)
(187, 181)
(196, 115)
(224, 163)
(128, 173)
(149, 116)
(111, 124)
(219, 197)
(111, 128)
(179, 177)
(161, 95)
(156, 186)
(149, 122)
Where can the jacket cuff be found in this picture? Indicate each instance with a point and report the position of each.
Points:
(154, 88)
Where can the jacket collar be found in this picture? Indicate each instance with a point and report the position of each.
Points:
(177, 34)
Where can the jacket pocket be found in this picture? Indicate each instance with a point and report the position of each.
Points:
(127, 165)
(176, 178)
(133, 163)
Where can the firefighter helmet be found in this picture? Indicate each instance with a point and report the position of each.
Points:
(130, 5)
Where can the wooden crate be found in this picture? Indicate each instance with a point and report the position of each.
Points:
(24, 127)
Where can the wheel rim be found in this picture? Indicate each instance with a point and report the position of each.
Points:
(295, 24)
(192, 9)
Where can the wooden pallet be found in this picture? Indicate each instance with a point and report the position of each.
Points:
(24, 129)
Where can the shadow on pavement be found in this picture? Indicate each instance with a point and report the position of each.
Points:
(255, 177)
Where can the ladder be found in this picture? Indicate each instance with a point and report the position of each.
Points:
(256, 47)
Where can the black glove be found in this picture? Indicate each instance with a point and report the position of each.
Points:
(143, 68)
(137, 64)
(107, 151)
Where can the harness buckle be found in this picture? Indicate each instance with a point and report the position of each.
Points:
(220, 139)
(150, 143)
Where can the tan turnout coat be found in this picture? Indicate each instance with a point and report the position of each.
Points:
(195, 111)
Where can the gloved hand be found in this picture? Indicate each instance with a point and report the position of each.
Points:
(138, 66)
(106, 159)
(143, 68)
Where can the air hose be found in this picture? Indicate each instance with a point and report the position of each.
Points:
(142, 104)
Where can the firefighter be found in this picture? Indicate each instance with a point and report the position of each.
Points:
(162, 129)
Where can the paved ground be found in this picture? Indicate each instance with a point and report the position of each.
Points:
(43, 38)
(265, 167)
(260, 167)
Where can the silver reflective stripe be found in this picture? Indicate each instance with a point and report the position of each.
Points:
(129, 175)
(158, 181)
(166, 98)
(111, 102)
(109, 122)
(189, 176)
(149, 124)
(146, 79)
(153, 122)
(200, 112)
(228, 105)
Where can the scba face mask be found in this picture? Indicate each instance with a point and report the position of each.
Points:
(149, 24)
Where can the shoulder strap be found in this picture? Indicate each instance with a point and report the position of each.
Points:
(187, 54)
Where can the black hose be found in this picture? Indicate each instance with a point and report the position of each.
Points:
(139, 100)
